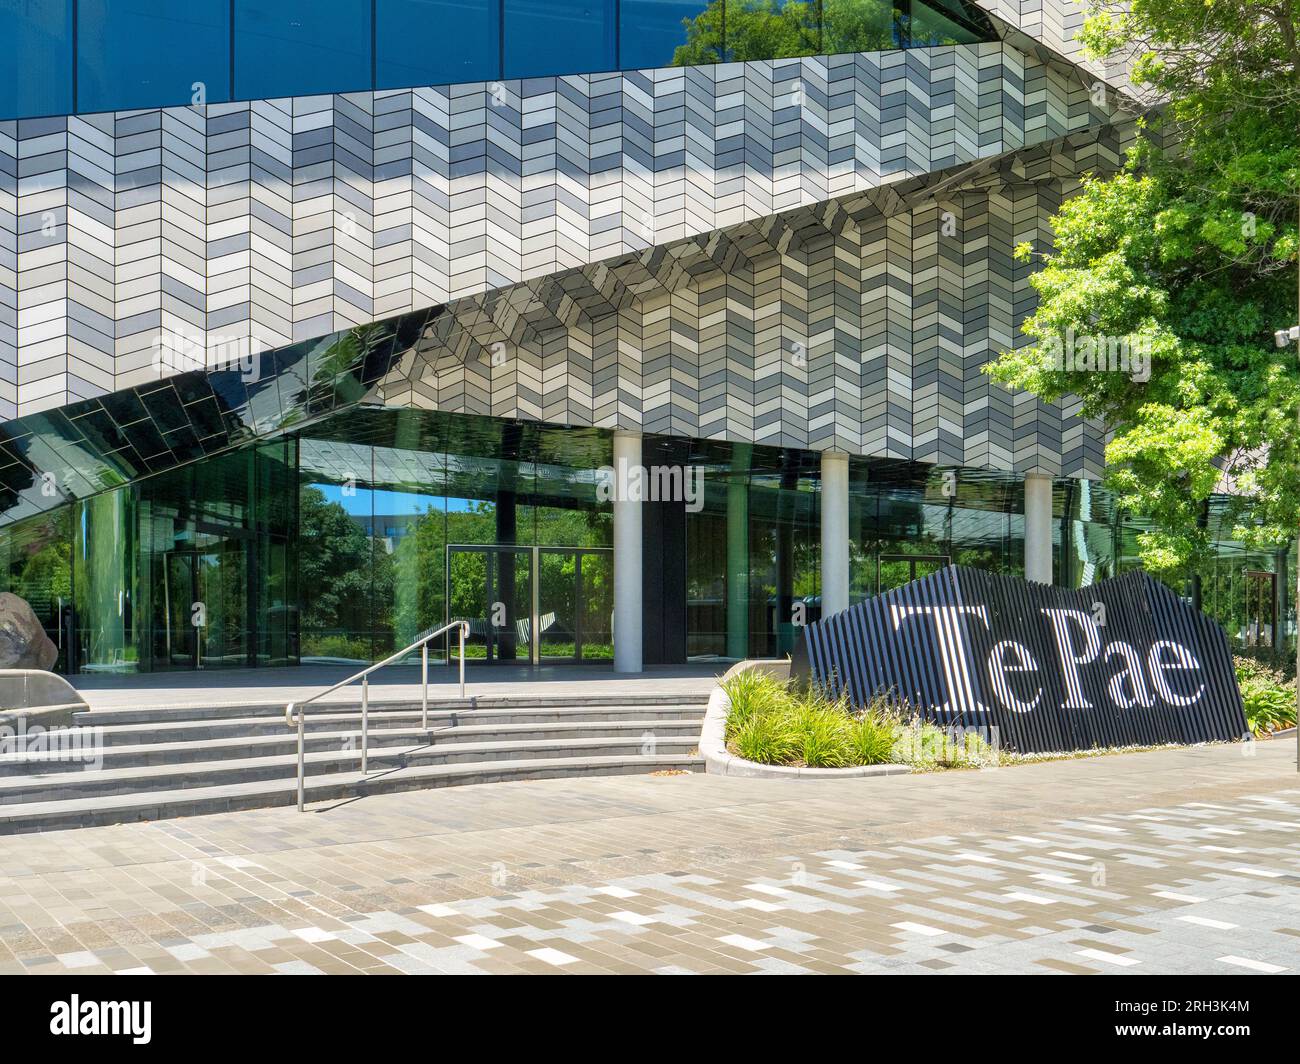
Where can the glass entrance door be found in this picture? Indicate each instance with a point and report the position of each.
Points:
(895, 570)
(533, 604)
(492, 588)
(200, 607)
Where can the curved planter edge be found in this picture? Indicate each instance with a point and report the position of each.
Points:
(719, 761)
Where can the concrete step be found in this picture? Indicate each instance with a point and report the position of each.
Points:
(282, 741)
(52, 815)
(115, 715)
(97, 783)
(182, 729)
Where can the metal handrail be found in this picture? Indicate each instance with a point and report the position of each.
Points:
(299, 719)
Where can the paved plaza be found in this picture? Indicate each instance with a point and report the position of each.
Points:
(1169, 861)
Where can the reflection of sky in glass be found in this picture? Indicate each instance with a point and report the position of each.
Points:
(363, 500)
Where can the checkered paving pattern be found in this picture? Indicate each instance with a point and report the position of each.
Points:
(1174, 861)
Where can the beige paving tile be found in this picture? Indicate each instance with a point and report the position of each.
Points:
(1016, 870)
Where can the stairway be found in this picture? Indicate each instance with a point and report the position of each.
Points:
(160, 762)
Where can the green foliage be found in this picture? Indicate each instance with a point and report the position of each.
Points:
(752, 693)
(1189, 252)
(927, 746)
(874, 735)
(340, 568)
(346, 647)
(823, 732)
(768, 29)
(766, 738)
(772, 725)
(1269, 698)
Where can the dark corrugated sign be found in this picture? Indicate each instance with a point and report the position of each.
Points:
(1122, 662)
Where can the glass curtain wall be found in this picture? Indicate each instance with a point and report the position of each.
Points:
(754, 548)
(907, 520)
(105, 55)
(408, 520)
(346, 541)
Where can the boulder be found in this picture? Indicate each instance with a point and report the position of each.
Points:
(23, 642)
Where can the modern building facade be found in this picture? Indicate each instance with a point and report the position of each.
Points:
(322, 323)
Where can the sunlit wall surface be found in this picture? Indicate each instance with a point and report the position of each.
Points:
(80, 56)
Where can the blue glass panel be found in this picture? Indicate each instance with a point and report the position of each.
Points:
(661, 33)
(545, 37)
(151, 53)
(436, 42)
(301, 47)
(37, 36)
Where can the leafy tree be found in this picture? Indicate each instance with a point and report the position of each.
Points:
(1189, 254)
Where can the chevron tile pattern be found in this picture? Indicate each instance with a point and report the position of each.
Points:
(859, 324)
(260, 224)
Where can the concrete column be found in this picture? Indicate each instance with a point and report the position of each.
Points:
(1038, 528)
(835, 533)
(627, 556)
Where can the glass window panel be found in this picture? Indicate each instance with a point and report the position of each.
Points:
(597, 600)
(338, 564)
(38, 46)
(770, 29)
(661, 33)
(936, 22)
(276, 577)
(545, 37)
(36, 565)
(408, 36)
(409, 537)
(106, 561)
(859, 25)
(151, 53)
(301, 47)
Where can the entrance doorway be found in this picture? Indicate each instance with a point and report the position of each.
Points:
(532, 605)
(200, 607)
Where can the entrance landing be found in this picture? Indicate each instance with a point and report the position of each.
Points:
(398, 682)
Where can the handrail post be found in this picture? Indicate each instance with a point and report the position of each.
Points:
(364, 676)
(302, 772)
(464, 627)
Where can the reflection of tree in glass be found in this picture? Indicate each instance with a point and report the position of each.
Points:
(339, 568)
(766, 29)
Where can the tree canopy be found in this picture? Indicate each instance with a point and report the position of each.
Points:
(1188, 254)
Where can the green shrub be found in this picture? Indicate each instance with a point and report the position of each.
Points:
(752, 692)
(767, 738)
(1270, 705)
(773, 725)
(872, 737)
(1265, 662)
(824, 732)
(925, 745)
